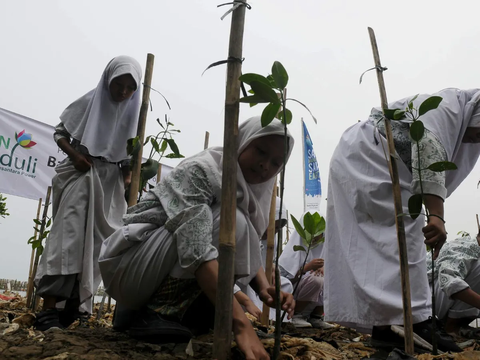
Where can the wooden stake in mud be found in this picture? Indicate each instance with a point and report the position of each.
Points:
(30, 274)
(226, 259)
(270, 249)
(147, 81)
(40, 233)
(397, 199)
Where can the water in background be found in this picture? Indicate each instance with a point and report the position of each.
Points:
(97, 299)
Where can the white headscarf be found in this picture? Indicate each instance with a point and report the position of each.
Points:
(291, 260)
(253, 199)
(100, 124)
(448, 122)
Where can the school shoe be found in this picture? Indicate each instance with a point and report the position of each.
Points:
(149, 326)
(48, 319)
(444, 341)
(318, 323)
(299, 322)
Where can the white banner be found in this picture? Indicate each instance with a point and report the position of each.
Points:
(28, 156)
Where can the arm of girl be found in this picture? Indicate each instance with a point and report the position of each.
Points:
(247, 340)
(266, 292)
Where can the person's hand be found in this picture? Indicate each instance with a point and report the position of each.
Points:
(314, 265)
(249, 343)
(82, 162)
(288, 303)
(435, 234)
(318, 272)
(127, 178)
(252, 309)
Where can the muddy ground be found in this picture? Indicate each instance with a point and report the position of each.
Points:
(96, 340)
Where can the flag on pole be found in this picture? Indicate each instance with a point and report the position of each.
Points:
(313, 185)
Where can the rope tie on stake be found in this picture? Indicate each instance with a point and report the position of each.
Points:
(379, 68)
(236, 4)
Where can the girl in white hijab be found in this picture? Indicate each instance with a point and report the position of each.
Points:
(88, 190)
(309, 291)
(362, 283)
(165, 255)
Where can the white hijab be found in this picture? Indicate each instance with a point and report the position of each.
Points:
(448, 122)
(253, 199)
(291, 260)
(100, 124)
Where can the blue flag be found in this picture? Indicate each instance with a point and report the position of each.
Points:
(313, 185)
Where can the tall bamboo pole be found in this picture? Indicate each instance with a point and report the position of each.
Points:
(40, 233)
(270, 249)
(32, 257)
(397, 199)
(147, 81)
(207, 136)
(226, 259)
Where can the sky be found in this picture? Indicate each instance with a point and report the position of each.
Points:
(55, 51)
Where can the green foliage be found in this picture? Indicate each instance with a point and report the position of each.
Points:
(41, 229)
(442, 166)
(417, 130)
(160, 142)
(3, 206)
(270, 90)
(429, 104)
(463, 234)
(314, 226)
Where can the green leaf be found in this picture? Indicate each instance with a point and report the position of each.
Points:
(398, 114)
(173, 146)
(309, 223)
(164, 146)
(429, 104)
(298, 227)
(289, 116)
(155, 145)
(273, 84)
(40, 250)
(253, 99)
(415, 205)
(442, 166)
(280, 75)
(38, 222)
(49, 222)
(265, 92)
(133, 146)
(298, 248)
(149, 169)
(410, 103)
(269, 113)
(174, 156)
(390, 113)
(250, 77)
(417, 130)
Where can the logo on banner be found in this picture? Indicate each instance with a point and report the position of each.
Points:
(19, 165)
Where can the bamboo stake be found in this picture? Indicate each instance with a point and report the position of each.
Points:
(32, 257)
(40, 233)
(478, 224)
(397, 199)
(224, 298)
(207, 136)
(159, 173)
(270, 249)
(134, 185)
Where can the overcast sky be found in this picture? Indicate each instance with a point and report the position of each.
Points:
(55, 51)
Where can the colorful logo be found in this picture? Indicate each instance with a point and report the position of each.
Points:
(24, 140)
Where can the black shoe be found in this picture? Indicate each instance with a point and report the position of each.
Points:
(123, 318)
(444, 341)
(149, 326)
(48, 319)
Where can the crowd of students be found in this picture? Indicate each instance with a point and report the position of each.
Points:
(158, 259)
